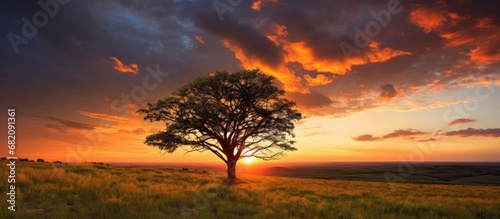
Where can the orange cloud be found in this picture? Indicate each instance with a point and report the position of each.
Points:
(290, 82)
(382, 55)
(484, 37)
(485, 54)
(427, 19)
(199, 39)
(457, 38)
(298, 52)
(119, 66)
(434, 20)
(319, 80)
(257, 5)
(485, 23)
(486, 41)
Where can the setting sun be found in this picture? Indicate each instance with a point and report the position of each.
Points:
(248, 160)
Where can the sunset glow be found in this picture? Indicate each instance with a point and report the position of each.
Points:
(375, 81)
(248, 160)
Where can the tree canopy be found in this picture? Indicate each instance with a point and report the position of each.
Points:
(234, 116)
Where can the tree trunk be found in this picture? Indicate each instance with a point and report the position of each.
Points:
(231, 171)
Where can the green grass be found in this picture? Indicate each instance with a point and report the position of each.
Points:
(97, 191)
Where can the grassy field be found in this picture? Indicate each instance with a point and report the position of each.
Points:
(437, 172)
(47, 190)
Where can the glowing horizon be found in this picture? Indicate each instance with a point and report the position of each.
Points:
(387, 81)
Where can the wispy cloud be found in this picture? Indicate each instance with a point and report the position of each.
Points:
(366, 137)
(411, 134)
(119, 66)
(461, 121)
(400, 133)
(66, 124)
(103, 116)
(471, 132)
(199, 39)
(137, 131)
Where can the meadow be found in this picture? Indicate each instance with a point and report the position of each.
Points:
(456, 173)
(47, 190)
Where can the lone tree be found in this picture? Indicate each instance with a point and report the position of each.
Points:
(234, 116)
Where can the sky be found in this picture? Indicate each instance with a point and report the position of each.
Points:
(376, 80)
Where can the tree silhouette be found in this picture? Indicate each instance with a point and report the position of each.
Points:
(234, 116)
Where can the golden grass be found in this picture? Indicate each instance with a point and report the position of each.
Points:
(96, 191)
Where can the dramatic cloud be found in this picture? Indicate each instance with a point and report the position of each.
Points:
(242, 35)
(252, 48)
(301, 53)
(431, 54)
(291, 82)
(428, 46)
(119, 66)
(479, 33)
(461, 121)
